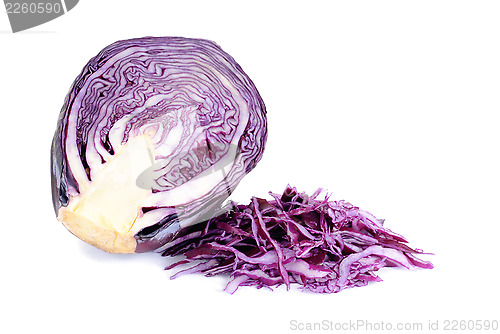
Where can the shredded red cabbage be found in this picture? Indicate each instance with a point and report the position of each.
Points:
(325, 246)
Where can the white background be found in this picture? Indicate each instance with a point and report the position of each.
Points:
(391, 105)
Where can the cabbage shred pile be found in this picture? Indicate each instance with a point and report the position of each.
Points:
(324, 246)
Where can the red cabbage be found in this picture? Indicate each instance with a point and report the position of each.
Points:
(154, 135)
(323, 246)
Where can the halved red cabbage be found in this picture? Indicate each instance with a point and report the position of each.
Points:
(324, 246)
(154, 135)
